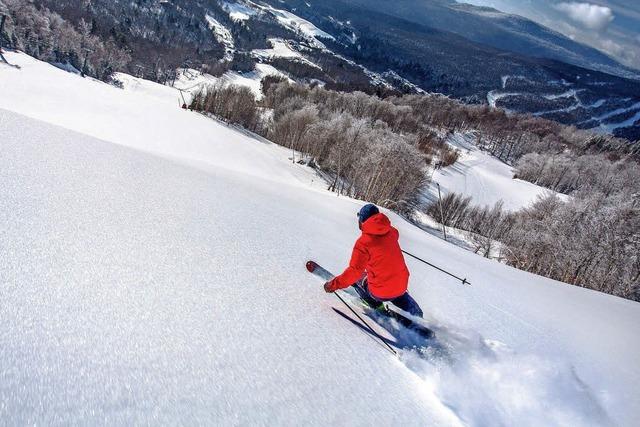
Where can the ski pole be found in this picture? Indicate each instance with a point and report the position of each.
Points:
(366, 324)
(464, 281)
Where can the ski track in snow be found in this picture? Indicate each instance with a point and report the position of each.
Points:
(494, 96)
(483, 177)
(610, 127)
(166, 284)
(572, 93)
(574, 107)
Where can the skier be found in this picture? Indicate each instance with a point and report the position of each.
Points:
(377, 270)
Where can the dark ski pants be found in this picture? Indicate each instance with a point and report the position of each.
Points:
(404, 302)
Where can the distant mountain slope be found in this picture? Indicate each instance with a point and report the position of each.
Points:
(440, 60)
(500, 30)
(476, 55)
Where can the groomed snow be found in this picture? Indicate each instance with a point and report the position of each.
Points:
(166, 286)
(483, 177)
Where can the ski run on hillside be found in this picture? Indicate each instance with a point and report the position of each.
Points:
(152, 272)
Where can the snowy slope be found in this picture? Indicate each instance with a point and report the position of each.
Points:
(136, 290)
(167, 286)
(130, 117)
(280, 49)
(483, 177)
(192, 81)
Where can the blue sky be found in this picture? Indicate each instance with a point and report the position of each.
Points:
(612, 26)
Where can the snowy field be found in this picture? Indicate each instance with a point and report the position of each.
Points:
(152, 272)
(483, 177)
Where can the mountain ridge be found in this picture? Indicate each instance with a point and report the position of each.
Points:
(343, 45)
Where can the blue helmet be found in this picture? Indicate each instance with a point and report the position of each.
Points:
(367, 211)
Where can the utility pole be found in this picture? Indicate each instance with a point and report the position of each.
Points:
(444, 229)
(2, 19)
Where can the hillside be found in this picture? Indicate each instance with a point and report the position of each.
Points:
(476, 55)
(153, 270)
(480, 56)
(503, 31)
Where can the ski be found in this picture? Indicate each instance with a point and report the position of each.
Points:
(318, 270)
(324, 274)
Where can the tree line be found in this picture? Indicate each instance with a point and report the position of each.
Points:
(145, 38)
(45, 35)
(369, 148)
(590, 240)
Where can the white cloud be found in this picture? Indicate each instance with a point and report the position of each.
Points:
(588, 15)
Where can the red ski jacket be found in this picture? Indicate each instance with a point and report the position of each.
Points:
(378, 253)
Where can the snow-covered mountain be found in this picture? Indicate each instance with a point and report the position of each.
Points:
(152, 272)
(477, 55)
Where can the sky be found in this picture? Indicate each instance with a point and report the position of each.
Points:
(612, 26)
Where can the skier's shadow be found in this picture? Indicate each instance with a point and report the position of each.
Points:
(402, 340)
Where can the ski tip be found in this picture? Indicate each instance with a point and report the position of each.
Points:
(311, 265)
